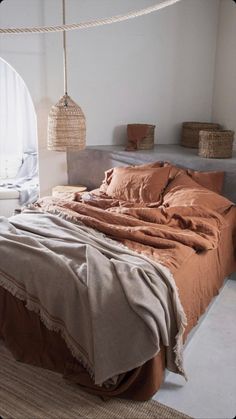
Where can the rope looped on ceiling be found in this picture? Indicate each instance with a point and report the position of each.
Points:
(91, 23)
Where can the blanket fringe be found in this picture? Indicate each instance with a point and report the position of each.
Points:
(32, 306)
(181, 323)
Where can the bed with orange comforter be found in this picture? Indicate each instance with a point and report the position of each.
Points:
(157, 211)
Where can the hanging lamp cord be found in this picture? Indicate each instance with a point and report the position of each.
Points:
(64, 51)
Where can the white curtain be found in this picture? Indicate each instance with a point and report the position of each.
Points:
(18, 125)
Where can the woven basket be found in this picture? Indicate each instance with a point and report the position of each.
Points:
(140, 136)
(216, 145)
(190, 132)
(66, 126)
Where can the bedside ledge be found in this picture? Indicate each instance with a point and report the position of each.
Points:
(88, 166)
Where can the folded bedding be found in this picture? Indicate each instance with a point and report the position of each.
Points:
(115, 251)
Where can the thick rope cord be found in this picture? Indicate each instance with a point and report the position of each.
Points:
(64, 47)
(91, 23)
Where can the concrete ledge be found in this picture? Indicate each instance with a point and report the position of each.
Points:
(87, 167)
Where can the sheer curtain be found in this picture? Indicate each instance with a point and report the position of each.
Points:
(18, 125)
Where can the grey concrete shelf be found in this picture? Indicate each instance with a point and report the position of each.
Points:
(87, 167)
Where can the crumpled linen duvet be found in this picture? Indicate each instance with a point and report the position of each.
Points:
(121, 294)
(167, 235)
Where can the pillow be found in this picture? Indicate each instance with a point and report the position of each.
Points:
(210, 180)
(137, 184)
(184, 191)
(109, 173)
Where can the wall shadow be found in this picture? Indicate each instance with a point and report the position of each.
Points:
(119, 136)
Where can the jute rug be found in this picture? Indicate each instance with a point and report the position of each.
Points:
(28, 392)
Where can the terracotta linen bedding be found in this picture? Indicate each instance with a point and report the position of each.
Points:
(201, 229)
(167, 235)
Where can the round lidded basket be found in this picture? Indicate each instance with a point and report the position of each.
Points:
(66, 126)
(190, 132)
(216, 145)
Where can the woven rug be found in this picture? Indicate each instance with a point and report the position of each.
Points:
(28, 392)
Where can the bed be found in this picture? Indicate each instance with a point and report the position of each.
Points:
(193, 238)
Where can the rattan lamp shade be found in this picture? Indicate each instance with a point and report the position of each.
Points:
(66, 120)
(66, 126)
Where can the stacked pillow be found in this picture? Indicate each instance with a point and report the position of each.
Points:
(138, 184)
(163, 183)
(210, 180)
(184, 191)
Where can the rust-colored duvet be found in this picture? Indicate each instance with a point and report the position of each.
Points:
(198, 272)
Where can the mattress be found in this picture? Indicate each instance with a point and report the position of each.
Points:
(199, 279)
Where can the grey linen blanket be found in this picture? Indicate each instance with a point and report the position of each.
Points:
(111, 306)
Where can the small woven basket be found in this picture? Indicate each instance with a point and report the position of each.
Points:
(66, 126)
(216, 145)
(190, 132)
(140, 136)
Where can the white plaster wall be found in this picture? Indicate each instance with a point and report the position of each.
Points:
(157, 69)
(224, 99)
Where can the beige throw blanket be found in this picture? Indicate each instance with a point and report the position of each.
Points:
(111, 306)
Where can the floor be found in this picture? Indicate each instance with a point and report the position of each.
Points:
(210, 363)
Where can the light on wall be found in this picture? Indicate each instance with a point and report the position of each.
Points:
(66, 120)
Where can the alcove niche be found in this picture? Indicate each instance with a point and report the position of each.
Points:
(18, 142)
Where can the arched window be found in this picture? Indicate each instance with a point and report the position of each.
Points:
(18, 132)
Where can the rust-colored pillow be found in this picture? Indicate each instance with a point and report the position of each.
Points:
(210, 180)
(184, 191)
(136, 184)
(109, 173)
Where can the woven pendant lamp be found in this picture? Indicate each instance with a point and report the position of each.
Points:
(66, 120)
